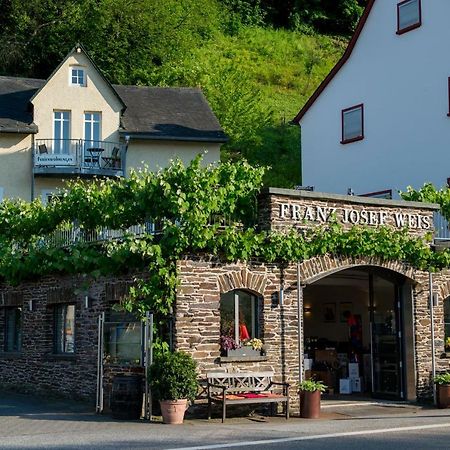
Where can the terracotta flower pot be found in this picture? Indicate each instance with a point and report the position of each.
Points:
(443, 395)
(310, 404)
(173, 411)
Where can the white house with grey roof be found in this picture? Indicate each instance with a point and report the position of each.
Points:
(77, 124)
(380, 120)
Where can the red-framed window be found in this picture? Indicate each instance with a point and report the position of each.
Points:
(409, 15)
(448, 114)
(352, 124)
(387, 194)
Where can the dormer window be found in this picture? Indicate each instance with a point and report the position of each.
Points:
(77, 76)
(409, 15)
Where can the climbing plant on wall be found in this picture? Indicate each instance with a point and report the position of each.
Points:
(428, 193)
(206, 210)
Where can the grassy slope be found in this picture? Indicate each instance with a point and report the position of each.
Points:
(286, 67)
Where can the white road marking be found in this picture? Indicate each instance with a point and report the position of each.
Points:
(313, 437)
(345, 405)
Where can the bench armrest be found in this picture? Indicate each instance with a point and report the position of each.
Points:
(285, 386)
(218, 386)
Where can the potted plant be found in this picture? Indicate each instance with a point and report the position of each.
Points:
(443, 389)
(310, 392)
(173, 381)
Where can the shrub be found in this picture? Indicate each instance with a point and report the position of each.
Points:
(173, 376)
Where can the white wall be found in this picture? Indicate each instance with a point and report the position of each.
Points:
(158, 154)
(59, 95)
(403, 82)
(15, 165)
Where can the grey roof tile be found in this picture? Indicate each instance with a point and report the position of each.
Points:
(15, 111)
(151, 112)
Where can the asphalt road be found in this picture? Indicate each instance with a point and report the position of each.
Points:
(27, 423)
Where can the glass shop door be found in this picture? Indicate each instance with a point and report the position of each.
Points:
(387, 376)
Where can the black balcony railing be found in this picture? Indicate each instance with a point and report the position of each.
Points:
(78, 156)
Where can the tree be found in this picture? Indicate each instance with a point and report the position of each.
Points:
(327, 16)
(127, 38)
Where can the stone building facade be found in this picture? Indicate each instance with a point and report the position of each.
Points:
(280, 291)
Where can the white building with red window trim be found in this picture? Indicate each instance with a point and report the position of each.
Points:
(380, 119)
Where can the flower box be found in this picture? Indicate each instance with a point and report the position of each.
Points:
(245, 350)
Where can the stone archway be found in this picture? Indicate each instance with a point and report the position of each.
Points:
(242, 279)
(319, 267)
(407, 289)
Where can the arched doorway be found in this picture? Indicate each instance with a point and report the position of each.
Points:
(357, 326)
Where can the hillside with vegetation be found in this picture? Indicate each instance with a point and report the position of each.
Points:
(257, 61)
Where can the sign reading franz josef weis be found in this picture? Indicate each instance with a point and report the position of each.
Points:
(353, 216)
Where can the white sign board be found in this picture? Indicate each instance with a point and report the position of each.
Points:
(55, 160)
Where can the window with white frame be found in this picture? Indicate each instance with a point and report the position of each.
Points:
(352, 124)
(92, 128)
(64, 329)
(13, 329)
(239, 316)
(409, 15)
(61, 132)
(77, 76)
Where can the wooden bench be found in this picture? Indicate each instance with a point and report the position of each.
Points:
(244, 388)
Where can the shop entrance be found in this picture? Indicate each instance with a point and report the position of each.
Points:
(358, 333)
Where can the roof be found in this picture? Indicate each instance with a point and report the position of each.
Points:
(339, 64)
(15, 112)
(168, 113)
(151, 112)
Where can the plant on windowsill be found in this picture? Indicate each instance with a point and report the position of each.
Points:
(173, 381)
(442, 382)
(310, 392)
(229, 347)
(447, 345)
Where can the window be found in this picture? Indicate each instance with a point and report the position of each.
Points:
(13, 329)
(77, 76)
(447, 324)
(61, 132)
(64, 329)
(387, 194)
(92, 129)
(352, 124)
(123, 338)
(409, 15)
(239, 316)
(49, 196)
(448, 114)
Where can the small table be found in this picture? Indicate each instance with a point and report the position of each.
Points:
(92, 157)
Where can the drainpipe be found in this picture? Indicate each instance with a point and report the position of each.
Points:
(433, 356)
(32, 166)
(299, 327)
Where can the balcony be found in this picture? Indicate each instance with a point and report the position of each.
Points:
(77, 157)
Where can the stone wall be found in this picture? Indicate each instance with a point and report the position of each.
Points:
(282, 209)
(36, 368)
(197, 323)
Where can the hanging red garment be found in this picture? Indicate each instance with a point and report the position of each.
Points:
(243, 332)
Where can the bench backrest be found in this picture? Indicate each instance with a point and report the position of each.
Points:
(240, 381)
